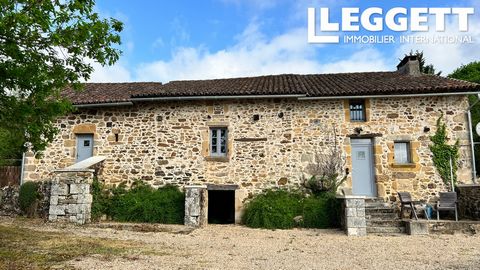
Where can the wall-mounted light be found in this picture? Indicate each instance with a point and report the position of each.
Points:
(358, 130)
(116, 131)
(426, 129)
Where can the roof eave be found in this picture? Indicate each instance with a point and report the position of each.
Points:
(393, 96)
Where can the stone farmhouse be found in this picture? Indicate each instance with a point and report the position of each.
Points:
(243, 135)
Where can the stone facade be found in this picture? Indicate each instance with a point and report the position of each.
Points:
(70, 198)
(270, 142)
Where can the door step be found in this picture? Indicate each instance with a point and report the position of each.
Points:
(382, 218)
(385, 230)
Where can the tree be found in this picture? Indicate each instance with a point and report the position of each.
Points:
(471, 73)
(46, 46)
(424, 68)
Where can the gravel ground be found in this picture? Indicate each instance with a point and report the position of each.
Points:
(238, 247)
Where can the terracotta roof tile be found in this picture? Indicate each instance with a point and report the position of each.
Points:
(318, 85)
(109, 92)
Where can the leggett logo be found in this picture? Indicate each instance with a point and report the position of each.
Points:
(398, 19)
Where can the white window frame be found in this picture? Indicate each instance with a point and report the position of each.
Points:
(216, 141)
(402, 152)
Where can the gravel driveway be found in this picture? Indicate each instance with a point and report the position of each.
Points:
(238, 247)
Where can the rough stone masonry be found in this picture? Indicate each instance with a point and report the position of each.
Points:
(70, 198)
(270, 142)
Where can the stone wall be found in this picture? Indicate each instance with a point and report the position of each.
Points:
(70, 198)
(168, 142)
(9, 204)
(469, 201)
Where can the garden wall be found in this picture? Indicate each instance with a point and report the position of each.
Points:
(9, 205)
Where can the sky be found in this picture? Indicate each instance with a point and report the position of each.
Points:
(204, 39)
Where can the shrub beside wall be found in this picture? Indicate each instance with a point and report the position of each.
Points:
(28, 198)
(276, 209)
(273, 210)
(140, 203)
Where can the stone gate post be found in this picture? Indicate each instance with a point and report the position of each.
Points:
(196, 201)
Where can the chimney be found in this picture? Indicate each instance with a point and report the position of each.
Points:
(410, 66)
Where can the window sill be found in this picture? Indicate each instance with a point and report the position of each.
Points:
(406, 165)
(358, 121)
(217, 159)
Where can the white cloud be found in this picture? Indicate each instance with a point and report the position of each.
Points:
(116, 73)
(255, 55)
(361, 61)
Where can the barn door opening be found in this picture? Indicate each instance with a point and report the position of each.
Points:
(221, 206)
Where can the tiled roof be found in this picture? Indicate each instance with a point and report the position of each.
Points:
(318, 85)
(109, 92)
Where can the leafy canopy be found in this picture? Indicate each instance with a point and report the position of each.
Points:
(46, 46)
(471, 73)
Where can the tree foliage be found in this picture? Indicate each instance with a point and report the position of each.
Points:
(46, 46)
(10, 148)
(471, 73)
(443, 152)
(424, 67)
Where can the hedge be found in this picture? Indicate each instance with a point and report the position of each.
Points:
(140, 203)
(276, 209)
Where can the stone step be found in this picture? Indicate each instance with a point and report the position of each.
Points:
(383, 216)
(380, 210)
(385, 230)
(384, 223)
(378, 205)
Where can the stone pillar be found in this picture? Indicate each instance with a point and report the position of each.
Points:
(353, 217)
(196, 201)
(70, 198)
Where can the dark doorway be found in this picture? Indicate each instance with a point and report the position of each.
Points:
(221, 206)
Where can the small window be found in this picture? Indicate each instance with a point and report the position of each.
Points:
(218, 142)
(357, 111)
(402, 153)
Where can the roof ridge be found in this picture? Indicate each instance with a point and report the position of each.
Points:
(122, 82)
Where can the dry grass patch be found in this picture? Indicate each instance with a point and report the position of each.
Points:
(22, 248)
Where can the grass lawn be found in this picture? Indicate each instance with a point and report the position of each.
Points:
(22, 248)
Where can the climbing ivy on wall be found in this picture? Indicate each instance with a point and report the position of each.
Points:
(442, 152)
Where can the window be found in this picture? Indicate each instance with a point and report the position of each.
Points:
(357, 111)
(218, 142)
(402, 153)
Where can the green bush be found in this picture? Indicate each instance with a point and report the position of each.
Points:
(273, 209)
(101, 200)
(321, 211)
(27, 197)
(276, 209)
(143, 203)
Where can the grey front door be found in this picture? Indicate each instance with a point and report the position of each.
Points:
(84, 146)
(362, 168)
